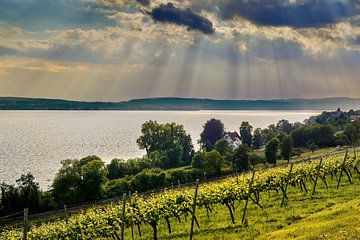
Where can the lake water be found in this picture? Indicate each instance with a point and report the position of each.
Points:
(36, 141)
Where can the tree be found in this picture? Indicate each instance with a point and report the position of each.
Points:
(258, 140)
(224, 148)
(245, 133)
(241, 158)
(284, 126)
(352, 132)
(210, 162)
(321, 135)
(79, 180)
(26, 194)
(166, 139)
(118, 168)
(271, 150)
(212, 132)
(286, 147)
(268, 134)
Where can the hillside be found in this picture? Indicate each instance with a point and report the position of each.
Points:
(331, 212)
(9, 103)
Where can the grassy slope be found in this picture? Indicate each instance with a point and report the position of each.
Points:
(331, 214)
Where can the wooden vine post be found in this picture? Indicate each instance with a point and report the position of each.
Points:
(342, 169)
(123, 216)
(317, 176)
(286, 185)
(66, 214)
(194, 208)
(248, 196)
(132, 226)
(354, 153)
(26, 220)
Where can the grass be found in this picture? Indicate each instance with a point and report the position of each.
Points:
(330, 214)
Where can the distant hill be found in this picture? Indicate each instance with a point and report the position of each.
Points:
(11, 103)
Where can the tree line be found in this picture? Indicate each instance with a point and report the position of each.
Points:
(171, 159)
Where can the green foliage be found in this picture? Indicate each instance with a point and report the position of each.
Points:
(152, 209)
(271, 150)
(286, 146)
(341, 139)
(258, 139)
(169, 140)
(224, 148)
(212, 132)
(210, 162)
(115, 188)
(321, 135)
(269, 133)
(241, 158)
(245, 133)
(183, 175)
(25, 195)
(79, 180)
(255, 159)
(148, 179)
(352, 132)
(118, 168)
(284, 126)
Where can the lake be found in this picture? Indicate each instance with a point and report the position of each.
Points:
(37, 141)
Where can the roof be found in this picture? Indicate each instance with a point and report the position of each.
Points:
(233, 135)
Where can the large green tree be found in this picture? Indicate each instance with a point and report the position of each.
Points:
(241, 158)
(271, 150)
(284, 126)
(258, 139)
(286, 146)
(79, 180)
(245, 133)
(168, 139)
(212, 132)
(210, 162)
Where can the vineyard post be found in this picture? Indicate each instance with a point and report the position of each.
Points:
(179, 183)
(317, 176)
(194, 208)
(342, 169)
(248, 196)
(132, 227)
(66, 214)
(286, 185)
(26, 219)
(123, 216)
(354, 153)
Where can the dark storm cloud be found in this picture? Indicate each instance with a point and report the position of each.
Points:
(171, 14)
(298, 14)
(52, 14)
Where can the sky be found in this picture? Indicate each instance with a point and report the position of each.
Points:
(114, 50)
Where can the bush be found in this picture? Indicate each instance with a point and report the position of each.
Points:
(241, 158)
(256, 159)
(148, 179)
(116, 188)
(210, 162)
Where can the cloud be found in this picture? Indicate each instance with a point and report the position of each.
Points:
(168, 13)
(144, 2)
(38, 15)
(292, 13)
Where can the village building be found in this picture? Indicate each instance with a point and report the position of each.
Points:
(233, 138)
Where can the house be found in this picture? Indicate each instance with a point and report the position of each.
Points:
(355, 118)
(233, 138)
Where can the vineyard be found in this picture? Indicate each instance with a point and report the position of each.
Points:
(108, 222)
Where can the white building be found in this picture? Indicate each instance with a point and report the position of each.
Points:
(233, 138)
